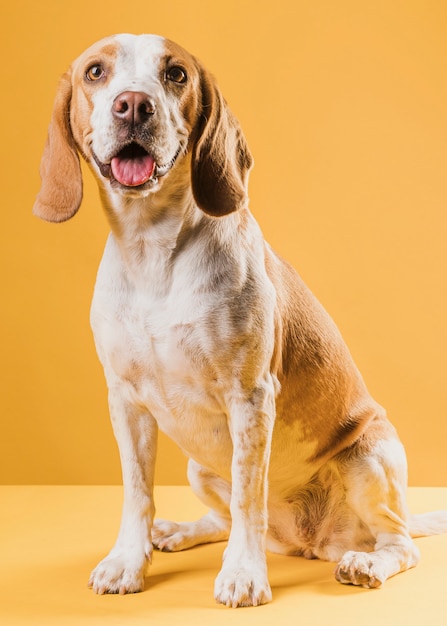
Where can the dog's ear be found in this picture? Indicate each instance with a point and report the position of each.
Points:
(60, 194)
(221, 158)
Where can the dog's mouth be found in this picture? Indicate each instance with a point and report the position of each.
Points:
(133, 166)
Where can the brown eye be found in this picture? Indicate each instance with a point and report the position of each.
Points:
(176, 75)
(95, 72)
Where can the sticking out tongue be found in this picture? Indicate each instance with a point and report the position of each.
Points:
(133, 166)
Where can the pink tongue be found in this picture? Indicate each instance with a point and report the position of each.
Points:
(133, 171)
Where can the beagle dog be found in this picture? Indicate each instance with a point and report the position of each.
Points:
(206, 333)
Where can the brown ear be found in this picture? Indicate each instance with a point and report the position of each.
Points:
(60, 194)
(221, 158)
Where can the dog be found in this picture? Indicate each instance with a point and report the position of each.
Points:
(206, 333)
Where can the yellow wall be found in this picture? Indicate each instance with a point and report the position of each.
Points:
(344, 104)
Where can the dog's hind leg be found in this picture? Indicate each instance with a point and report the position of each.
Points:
(214, 526)
(375, 485)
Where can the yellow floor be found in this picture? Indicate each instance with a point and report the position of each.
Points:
(51, 537)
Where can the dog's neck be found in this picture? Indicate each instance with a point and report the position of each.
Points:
(152, 230)
(134, 213)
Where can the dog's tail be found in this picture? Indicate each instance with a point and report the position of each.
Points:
(426, 524)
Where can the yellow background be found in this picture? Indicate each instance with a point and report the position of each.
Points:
(344, 104)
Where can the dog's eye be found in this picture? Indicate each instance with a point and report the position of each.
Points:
(176, 75)
(95, 72)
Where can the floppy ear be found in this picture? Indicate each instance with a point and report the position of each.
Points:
(221, 158)
(60, 194)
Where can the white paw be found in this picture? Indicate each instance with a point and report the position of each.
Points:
(242, 586)
(171, 536)
(118, 574)
(361, 568)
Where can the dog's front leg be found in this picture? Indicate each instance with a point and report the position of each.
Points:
(123, 570)
(243, 579)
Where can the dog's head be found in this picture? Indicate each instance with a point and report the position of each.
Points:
(136, 107)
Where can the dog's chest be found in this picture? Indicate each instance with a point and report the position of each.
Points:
(162, 352)
(158, 348)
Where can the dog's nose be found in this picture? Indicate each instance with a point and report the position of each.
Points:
(134, 107)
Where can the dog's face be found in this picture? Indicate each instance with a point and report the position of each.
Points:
(139, 108)
(134, 109)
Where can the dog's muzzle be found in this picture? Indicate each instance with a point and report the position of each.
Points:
(133, 164)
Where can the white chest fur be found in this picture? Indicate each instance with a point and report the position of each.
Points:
(167, 337)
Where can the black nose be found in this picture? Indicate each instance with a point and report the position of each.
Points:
(133, 107)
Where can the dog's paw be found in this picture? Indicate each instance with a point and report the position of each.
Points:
(118, 574)
(360, 568)
(240, 586)
(170, 536)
